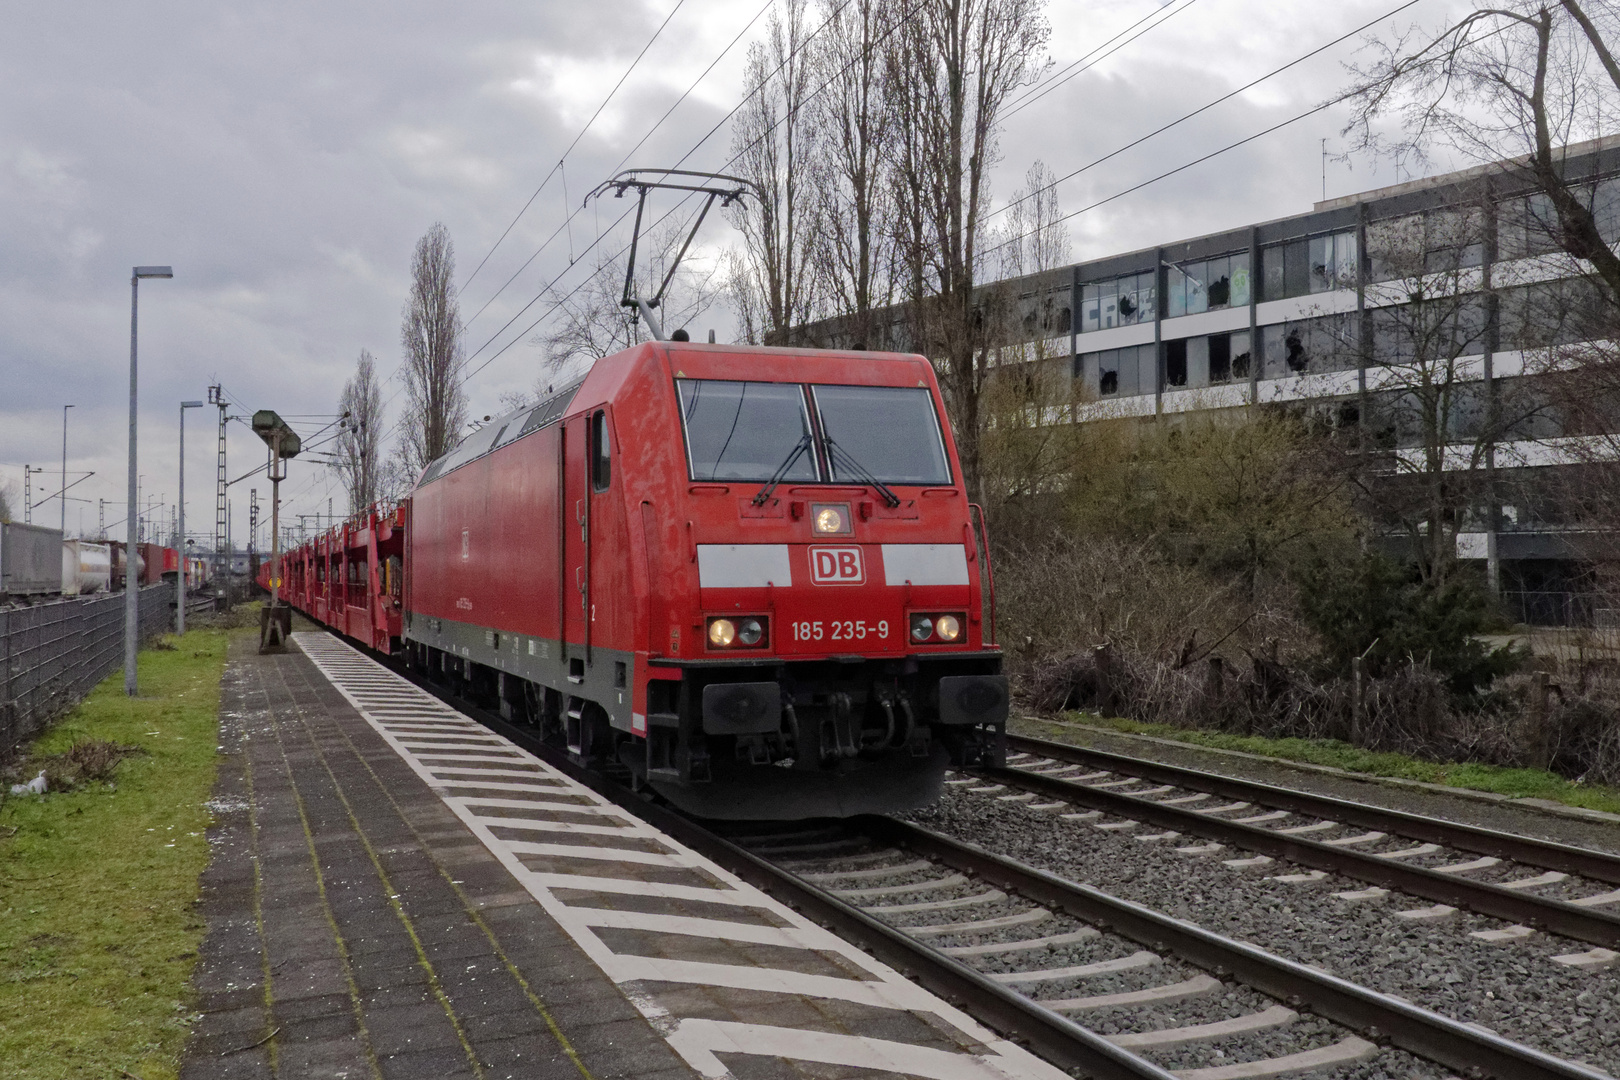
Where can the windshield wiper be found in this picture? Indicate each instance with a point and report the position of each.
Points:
(782, 470)
(859, 471)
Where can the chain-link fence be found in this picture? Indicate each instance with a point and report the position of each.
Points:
(52, 655)
(1553, 608)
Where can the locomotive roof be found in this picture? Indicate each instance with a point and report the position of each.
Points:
(508, 426)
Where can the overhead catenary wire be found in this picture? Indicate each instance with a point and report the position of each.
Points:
(1080, 66)
(574, 212)
(1199, 160)
(507, 231)
(1205, 108)
(559, 230)
(896, 23)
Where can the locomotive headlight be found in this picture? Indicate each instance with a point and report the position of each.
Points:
(948, 627)
(749, 631)
(722, 632)
(922, 628)
(830, 519)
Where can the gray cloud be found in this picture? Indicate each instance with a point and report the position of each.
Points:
(284, 158)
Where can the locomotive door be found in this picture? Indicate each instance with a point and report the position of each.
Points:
(575, 588)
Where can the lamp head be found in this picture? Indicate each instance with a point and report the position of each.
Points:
(191, 404)
(154, 271)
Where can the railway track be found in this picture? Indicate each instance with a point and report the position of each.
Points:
(1529, 884)
(996, 937)
(1095, 984)
(1023, 928)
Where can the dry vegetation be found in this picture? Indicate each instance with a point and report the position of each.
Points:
(1212, 573)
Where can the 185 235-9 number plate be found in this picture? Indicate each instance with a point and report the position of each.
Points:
(841, 630)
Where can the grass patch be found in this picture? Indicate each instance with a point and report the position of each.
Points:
(98, 928)
(1515, 783)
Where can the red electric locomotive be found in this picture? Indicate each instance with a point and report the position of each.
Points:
(748, 576)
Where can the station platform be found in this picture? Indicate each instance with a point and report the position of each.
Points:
(396, 891)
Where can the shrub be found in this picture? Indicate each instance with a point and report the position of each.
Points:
(1373, 607)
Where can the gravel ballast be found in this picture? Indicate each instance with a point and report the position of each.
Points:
(1515, 989)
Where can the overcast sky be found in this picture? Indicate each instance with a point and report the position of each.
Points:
(285, 158)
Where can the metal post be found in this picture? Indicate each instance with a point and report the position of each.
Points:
(180, 526)
(275, 522)
(63, 493)
(216, 396)
(132, 600)
(28, 494)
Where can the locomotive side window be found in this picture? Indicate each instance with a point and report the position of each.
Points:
(890, 431)
(745, 430)
(601, 452)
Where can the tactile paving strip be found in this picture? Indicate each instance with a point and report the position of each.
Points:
(718, 967)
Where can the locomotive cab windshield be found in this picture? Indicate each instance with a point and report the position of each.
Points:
(761, 431)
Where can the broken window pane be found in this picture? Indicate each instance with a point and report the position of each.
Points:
(1324, 267)
(1344, 257)
(1108, 368)
(1286, 350)
(1135, 299)
(1220, 358)
(1218, 282)
(1175, 363)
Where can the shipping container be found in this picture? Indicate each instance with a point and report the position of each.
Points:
(30, 560)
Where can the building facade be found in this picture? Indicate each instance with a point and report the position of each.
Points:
(1417, 317)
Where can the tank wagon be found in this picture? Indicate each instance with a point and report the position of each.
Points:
(86, 567)
(749, 577)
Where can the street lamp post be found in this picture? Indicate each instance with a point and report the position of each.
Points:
(65, 408)
(132, 591)
(180, 525)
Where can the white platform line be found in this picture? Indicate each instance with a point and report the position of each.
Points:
(698, 1041)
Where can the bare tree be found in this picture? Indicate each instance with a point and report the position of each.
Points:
(953, 66)
(436, 405)
(1435, 416)
(8, 493)
(1035, 238)
(1030, 436)
(855, 122)
(359, 440)
(1520, 77)
(775, 137)
(592, 322)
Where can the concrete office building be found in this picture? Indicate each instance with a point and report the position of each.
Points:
(1307, 310)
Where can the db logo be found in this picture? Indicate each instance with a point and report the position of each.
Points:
(837, 566)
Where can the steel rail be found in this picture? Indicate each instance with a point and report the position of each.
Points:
(1376, 1016)
(1053, 1036)
(1555, 916)
(1598, 865)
